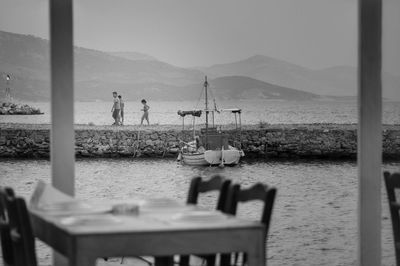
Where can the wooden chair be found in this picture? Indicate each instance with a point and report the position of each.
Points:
(20, 230)
(235, 196)
(197, 186)
(215, 183)
(6, 243)
(392, 182)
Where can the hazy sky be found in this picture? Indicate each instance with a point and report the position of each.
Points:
(312, 33)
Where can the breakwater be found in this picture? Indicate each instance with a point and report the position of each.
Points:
(9, 108)
(270, 141)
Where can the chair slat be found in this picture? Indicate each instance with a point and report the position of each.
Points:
(6, 244)
(22, 241)
(214, 183)
(258, 191)
(236, 195)
(25, 229)
(197, 186)
(392, 182)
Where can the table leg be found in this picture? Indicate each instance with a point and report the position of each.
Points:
(164, 261)
(256, 259)
(256, 255)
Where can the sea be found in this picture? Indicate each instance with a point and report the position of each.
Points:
(314, 220)
(253, 112)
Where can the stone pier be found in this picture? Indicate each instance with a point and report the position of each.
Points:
(328, 141)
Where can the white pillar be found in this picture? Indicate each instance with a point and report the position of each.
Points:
(369, 132)
(62, 101)
(62, 96)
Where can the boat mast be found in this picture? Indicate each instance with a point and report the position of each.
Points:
(206, 102)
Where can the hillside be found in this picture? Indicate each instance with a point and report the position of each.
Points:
(134, 56)
(239, 87)
(333, 81)
(266, 69)
(137, 75)
(96, 73)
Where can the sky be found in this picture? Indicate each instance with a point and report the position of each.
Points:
(312, 33)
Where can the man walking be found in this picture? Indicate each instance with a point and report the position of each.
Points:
(116, 109)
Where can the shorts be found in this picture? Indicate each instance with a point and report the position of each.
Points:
(115, 113)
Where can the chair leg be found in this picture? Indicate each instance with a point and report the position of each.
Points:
(164, 261)
(184, 260)
(210, 260)
(225, 260)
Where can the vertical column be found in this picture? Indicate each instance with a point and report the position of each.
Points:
(62, 96)
(62, 100)
(370, 132)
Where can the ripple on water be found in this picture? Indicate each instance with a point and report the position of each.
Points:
(314, 219)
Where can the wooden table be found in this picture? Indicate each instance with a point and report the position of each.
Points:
(150, 234)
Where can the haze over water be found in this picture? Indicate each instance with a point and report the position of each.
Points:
(254, 112)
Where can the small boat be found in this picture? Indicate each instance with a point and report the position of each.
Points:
(211, 147)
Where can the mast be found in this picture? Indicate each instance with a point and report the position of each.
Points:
(206, 102)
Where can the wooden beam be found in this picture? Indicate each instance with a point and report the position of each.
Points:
(370, 132)
(62, 101)
(62, 96)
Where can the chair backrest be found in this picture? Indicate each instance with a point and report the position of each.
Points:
(392, 182)
(217, 182)
(22, 239)
(235, 196)
(6, 243)
(256, 192)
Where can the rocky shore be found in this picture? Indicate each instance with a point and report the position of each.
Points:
(325, 141)
(8, 108)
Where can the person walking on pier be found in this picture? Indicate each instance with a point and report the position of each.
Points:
(145, 112)
(122, 105)
(115, 109)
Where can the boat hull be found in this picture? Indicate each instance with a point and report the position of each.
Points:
(212, 157)
(194, 159)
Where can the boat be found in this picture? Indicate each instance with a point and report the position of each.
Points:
(211, 147)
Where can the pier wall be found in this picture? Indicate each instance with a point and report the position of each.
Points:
(292, 142)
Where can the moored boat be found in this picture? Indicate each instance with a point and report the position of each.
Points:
(211, 147)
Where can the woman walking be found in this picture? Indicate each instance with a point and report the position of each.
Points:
(122, 105)
(145, 112)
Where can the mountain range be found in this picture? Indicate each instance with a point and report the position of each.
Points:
(136, 75)
(337, 81)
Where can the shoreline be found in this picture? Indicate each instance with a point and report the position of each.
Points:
(260, 141)
(189, 126)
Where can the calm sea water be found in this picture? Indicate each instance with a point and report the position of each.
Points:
(254, 112)
(314, 220)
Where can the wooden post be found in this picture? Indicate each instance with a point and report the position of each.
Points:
(62, 101)
(62, 96)
(369, 132)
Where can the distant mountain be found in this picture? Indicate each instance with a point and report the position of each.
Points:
(97, 73)
(334, 81)
(342, 79)
(134, 56)
(266, 69)
(137, 76)
(240, 87)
